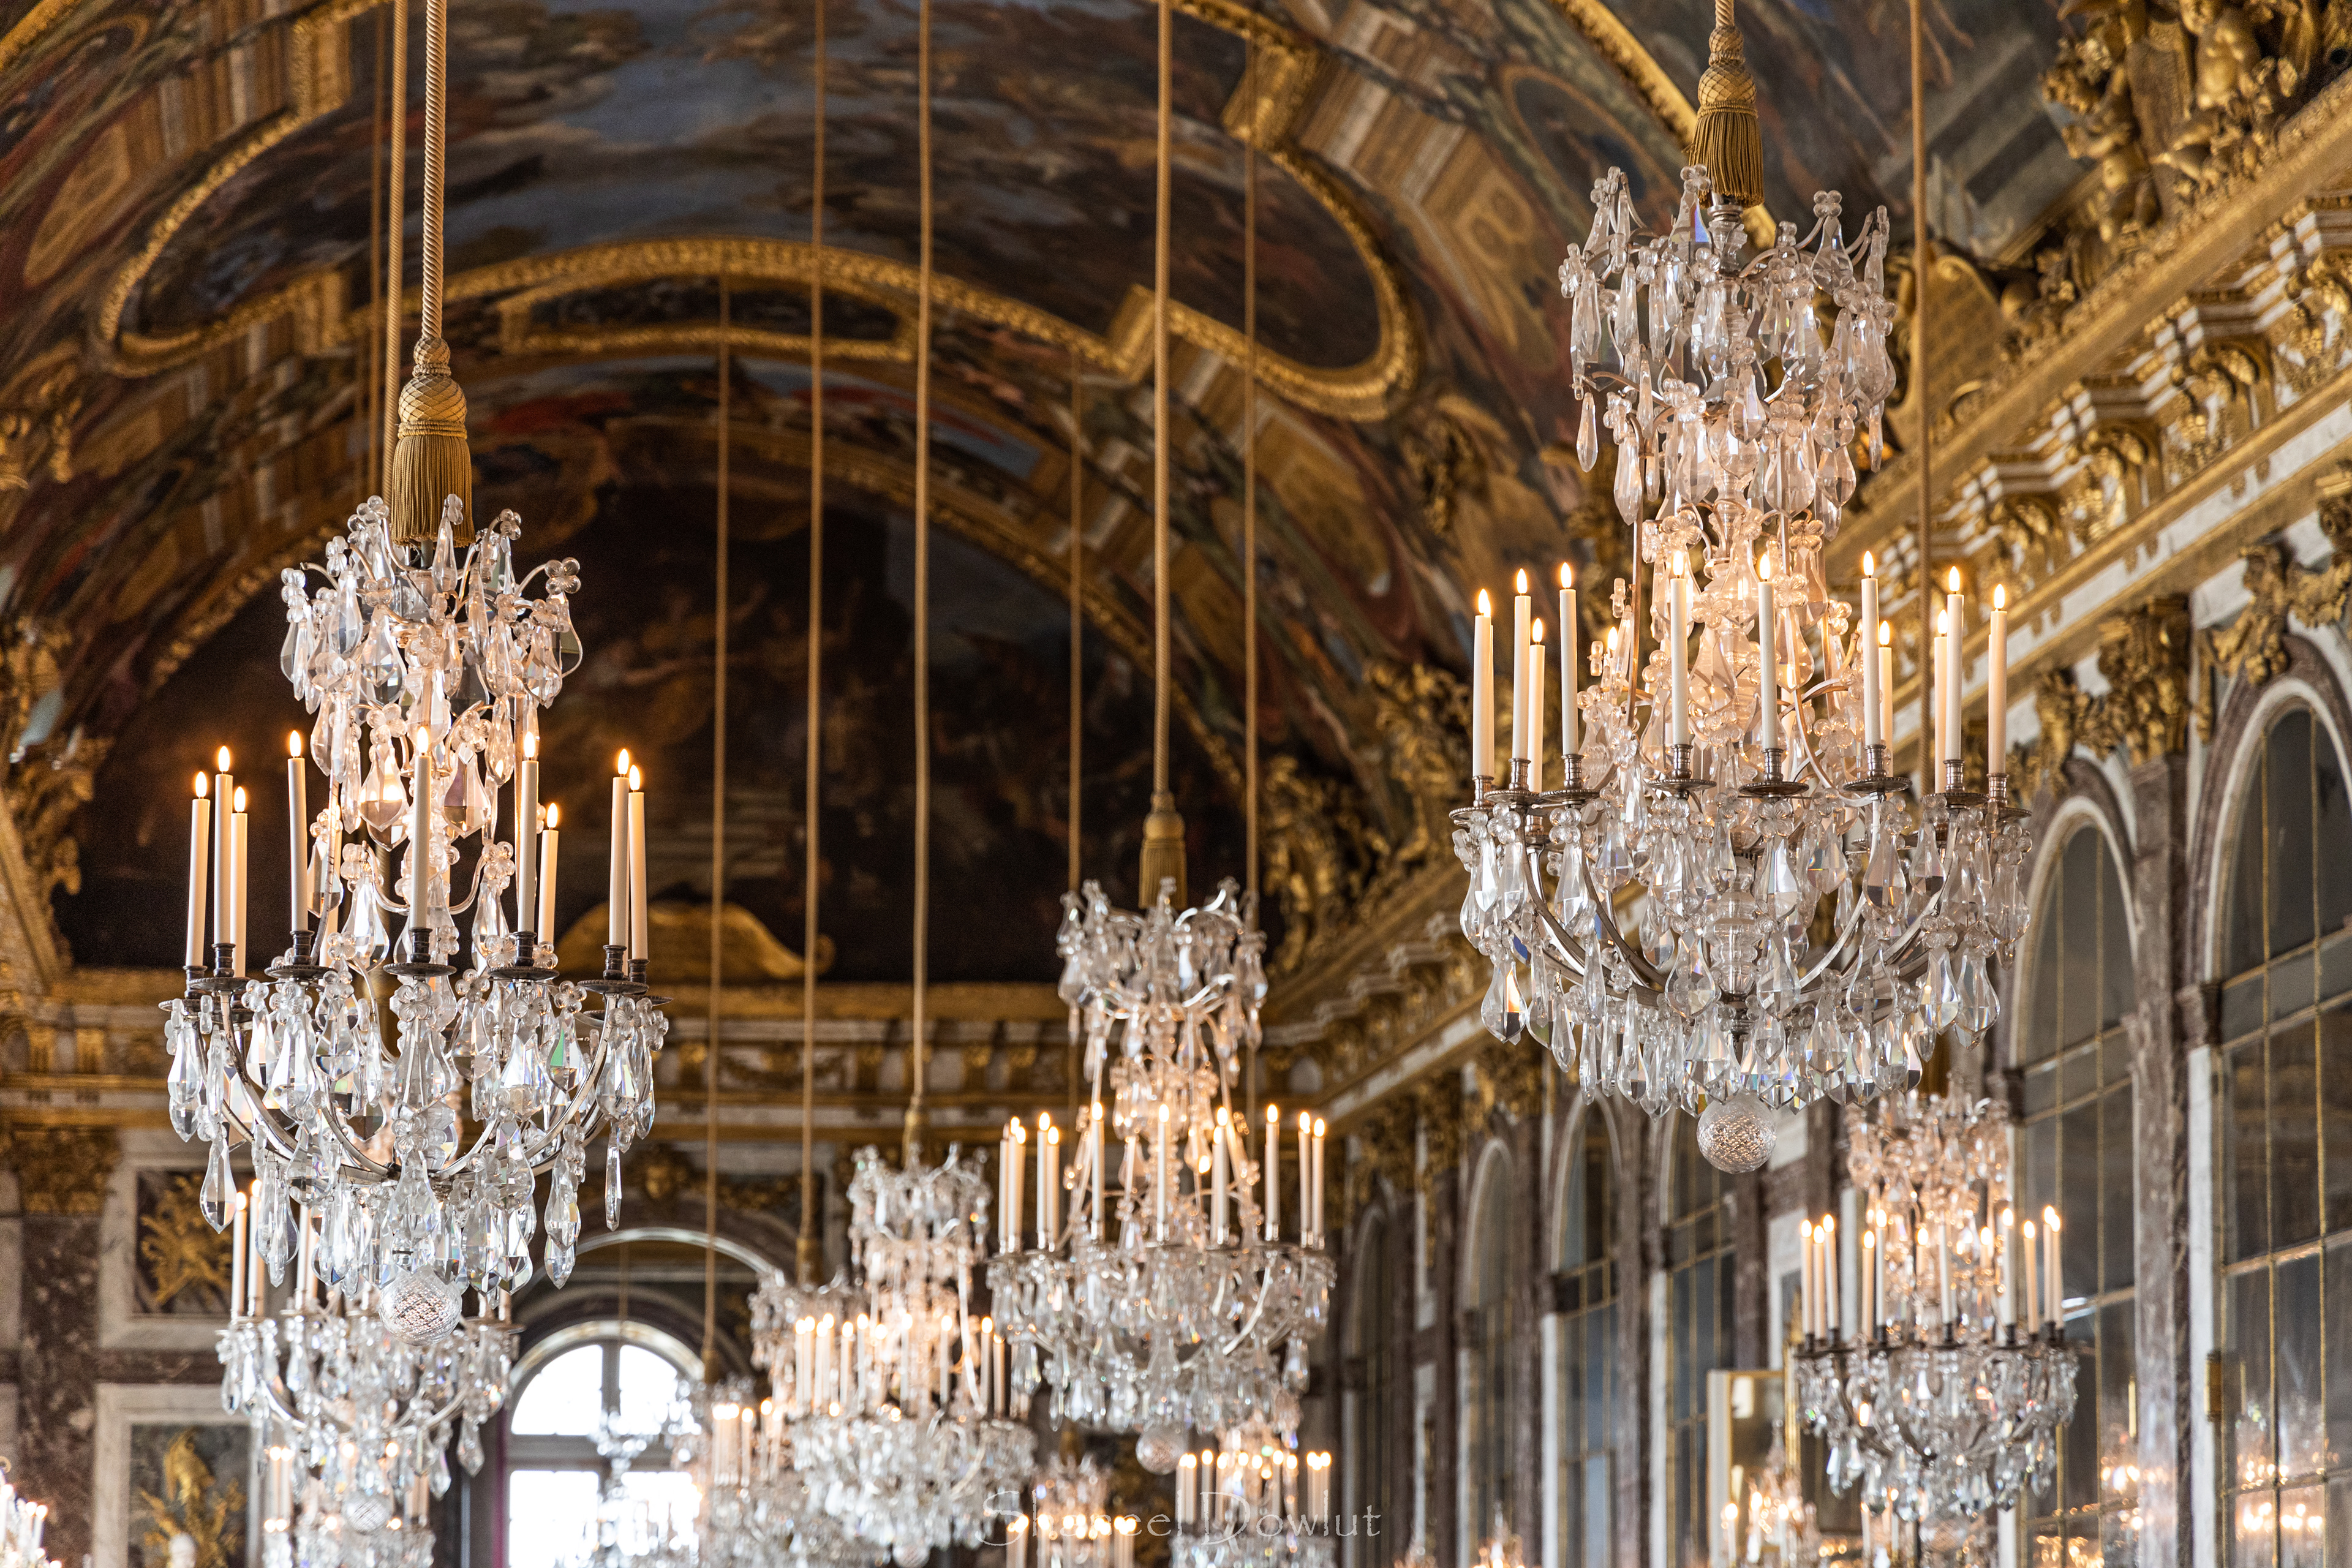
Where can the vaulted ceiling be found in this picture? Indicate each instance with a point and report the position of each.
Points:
(189, 376)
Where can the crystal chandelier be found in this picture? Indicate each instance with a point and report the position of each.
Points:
(1930, 1394)
(1160, 1302)
(895, 1414)
(22, 1523)
(1070, 1524)
(426, 668)
(352, 1417)
(1652, 920)
(1250, 1503)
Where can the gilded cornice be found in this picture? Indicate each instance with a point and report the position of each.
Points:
(2110, 321)
(320, 82)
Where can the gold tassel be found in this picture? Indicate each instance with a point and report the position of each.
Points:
(1728, 138)
(431, 460)
(1163, 852)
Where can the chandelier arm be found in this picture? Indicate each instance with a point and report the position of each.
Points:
(1650, 982)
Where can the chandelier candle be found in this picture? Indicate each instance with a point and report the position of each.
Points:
(1941, 664)
(1874, 732)
(240, 826)
(616, 897)
(1953, 640)
(1217, 1201)
(641, 946)
(1568, 658)
(1678, 733)
(1273, 1172)
(224, 851)
(1482, 692)
(526, 825)
(549, 840)
(1535, 678)
(1997, 686)
(1522, 609)
(200, 831)
(298, 823)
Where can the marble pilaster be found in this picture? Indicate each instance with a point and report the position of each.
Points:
(2159, 891)
(56, 1410)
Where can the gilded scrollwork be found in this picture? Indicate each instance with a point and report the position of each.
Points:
(2252, 648)
(62, 1170)
(1310, 830)
(179, 1250)
(196, 1504)
(2307, 338)
(2145, 659)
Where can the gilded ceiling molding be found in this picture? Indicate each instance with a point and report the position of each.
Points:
(1616, 43)
(31, 29)
(2252, 648)
(320, 72)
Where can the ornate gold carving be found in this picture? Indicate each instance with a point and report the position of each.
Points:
(2088, 78)
(1423, 717)
(42, 411)
(2216, 374)
(2252, 648)
(1510, 1077)
(1308, 828)
(62, 1170)
(1445, 1130)
(2307, 339)
(195, 1505)
(659, 1171)
(2243, 77)
(2143, 657)
(2031, 531)
(179, 1246)
(1616, 43)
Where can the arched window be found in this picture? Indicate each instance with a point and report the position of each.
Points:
(1698, 1328)
(587, 1416)
(1585, 1291)
(1371, 1408)
(2284, 1169)
(2074, 1058)
(1488, 1396)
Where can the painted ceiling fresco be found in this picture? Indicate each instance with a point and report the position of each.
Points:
(184, 235)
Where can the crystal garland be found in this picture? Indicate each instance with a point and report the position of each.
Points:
(1250, 1503)
(894, 1416)
(1158, 1303)
(757, 1510)
(1726, 785)
(426, 672)
(352, 1417)
(1940, 1406)
(1070, 1524)
(22, 1523)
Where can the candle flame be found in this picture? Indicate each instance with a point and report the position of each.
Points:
(1939, 623)
(293, 742)
(1306, 1122)
(1274, 1114)
(203, 785)
(1954, 579)
(1680, 564)
(530, 746)
(1520, 581)
(621, 766)
(1612, 639)
(2001, 595)
(553, 812)
(1567, 576)
(221, 757)
(1869, 564)
(2008, 1219)
(1044, 1119)
(1535, 629)
(1763, 568)
(1318, 1127)
(636, 781)
(240, 800)
(1486, 604)
(1886, 634)
(2049, 1217)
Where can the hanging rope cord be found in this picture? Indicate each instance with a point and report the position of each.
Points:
(810, 1252)
(396, 221)
(1249, 525)
(717, 855)
(1160, 643)
(1922, 270)
(917, 1048)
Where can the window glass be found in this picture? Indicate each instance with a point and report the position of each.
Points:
(567, 1397)
(2284, 1120)
(2076, 1151)
(1488, 1409)
(1698, 1303)
(550, 1517)
(650, 1389)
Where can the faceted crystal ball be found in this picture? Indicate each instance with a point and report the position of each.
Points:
(1735, 1134)
(420, 1307)
(1157, 1449)
(365, 1513)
